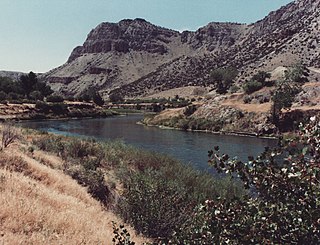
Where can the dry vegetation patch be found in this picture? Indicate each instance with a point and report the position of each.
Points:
(40, 205)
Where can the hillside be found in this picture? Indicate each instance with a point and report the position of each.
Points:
(135, 57)
(40, 204)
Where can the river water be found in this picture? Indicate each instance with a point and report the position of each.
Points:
(189, 147)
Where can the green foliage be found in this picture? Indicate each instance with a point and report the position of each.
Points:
(161, 196)
(223, 78)
(257, 82)
(3, 96)
(84, 162)
(283, 98)
(298, 73)
(284, 207)
(156, 107)
(261, 76)
(36, 95)
(87, 174)
(30, 83)
(97, 99)
(251, 86)
(189, 110)
(84, 97)
(115, 97)
(287, 89)
(159, 193)
(27, 87)
(55, 99)
(121, 235)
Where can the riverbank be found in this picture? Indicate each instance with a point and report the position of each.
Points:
(50, 172)
(42, 111)
(226, 120)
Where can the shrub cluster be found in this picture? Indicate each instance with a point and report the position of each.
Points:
(27, 87)
(83, 162)
(284, 207)
(159, 193)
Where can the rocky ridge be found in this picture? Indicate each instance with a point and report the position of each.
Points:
(136, 58)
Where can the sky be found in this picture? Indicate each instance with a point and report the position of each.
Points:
(39, 35)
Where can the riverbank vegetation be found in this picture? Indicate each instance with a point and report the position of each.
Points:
(263, 108)
(158, 193)
(273, 198)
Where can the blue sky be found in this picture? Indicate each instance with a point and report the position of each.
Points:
(39, 35)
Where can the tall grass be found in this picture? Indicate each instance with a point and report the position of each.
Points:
(158, 193)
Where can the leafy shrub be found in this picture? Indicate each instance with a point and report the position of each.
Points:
(284, 207)
(160, 199)
(59, 108)
(234, 88)
(189, 110)
(87, 174)
(223, 78)
(55, 99)
(97, 99)
(251, 86)
(3, 96)
(42, 106)
(155, 208)
(121, 235)
(247, 99)
(84, 162)
(36, 95)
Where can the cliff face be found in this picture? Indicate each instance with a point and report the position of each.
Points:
(135, 57)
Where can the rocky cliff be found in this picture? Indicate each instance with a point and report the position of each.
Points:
(135, 58)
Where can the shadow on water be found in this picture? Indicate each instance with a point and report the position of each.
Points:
(189, 147)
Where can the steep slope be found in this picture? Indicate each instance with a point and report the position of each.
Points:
(284, 37)
(134, 57)
(115, 54)
(42, 205)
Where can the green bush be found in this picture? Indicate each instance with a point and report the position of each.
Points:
(55, 99)
(42, 106)
(251, 86)
(284, 207)
(87, 174)
(160, 198)
(189, 110)
(3, 96)
(36, 95)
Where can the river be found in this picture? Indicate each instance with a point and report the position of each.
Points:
(189, 147)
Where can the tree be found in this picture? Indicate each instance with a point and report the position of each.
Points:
(36, 95)
(284, 207)
(261, 76)
(287, 89)
(97, 99)
(298, 73)
(223, 78)
(30, 83)
(27, 83)
(257, 82)
(114, 97)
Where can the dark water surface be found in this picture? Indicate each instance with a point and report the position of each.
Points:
(189, 147)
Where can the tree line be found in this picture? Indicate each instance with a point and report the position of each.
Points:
(30, 89)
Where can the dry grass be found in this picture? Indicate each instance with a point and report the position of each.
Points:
(40, 205)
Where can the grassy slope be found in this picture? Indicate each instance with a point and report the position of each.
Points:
(41, 205)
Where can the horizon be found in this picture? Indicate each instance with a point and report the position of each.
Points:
(39, 35)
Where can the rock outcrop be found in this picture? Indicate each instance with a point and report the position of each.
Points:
(135, 58)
